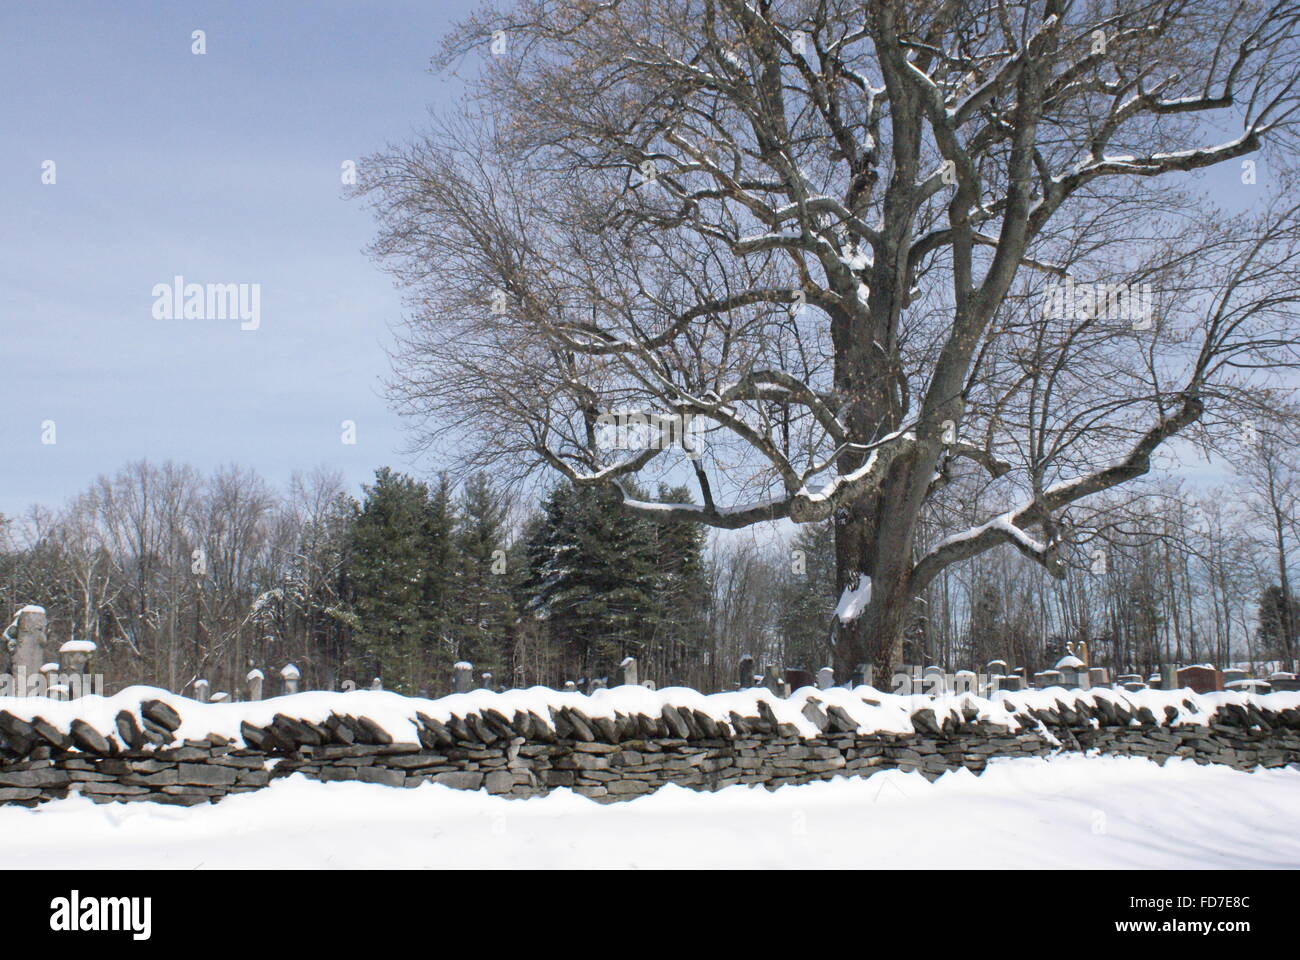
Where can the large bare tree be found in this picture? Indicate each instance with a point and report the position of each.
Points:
(827, 231)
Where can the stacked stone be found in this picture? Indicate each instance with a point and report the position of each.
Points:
(38, 762)
(603, 758)
(1244, 737)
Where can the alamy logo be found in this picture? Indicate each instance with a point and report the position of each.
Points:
(98, 914)
(59, 686)
(179, 300)
(1130, 302)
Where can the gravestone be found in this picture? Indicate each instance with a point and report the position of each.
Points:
(626, 675)
(1098, 676)
(997, 668)
(201, 691)
(376, 684)
(933, 681)
(1073, 671)
(1250, 686)
(1231, 675)
(1199, 679)
(825, 678)
(26, 641)
(486, 677)
(1281, 680)
(1011, 682)
(1169, 676)
(570, 685)
(794, 679)
(462, 677)
(772, 680)
(964, 681)
(253, 684)
(746, 669)
(290, 676)
(74, 656)
(1047, 678)
(219, 697)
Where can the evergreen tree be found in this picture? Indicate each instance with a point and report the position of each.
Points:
(398, 580)
(481, 588)
(681, 596)
(1271, 635)
(808, 596)
(609, 585)
(591, 576)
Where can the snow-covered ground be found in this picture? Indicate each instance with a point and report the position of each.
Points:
(1070, 811)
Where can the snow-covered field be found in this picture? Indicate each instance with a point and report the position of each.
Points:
(1069, 811)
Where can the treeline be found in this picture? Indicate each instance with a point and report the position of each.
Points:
(177, 576)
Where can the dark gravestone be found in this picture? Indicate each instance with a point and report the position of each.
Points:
(795, 679)
(1200, 679)
(772, 680)
(745, 672)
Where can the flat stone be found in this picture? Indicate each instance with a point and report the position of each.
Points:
(204, 774)
(162, 714)
(460, 780)
(89, 739)
(499, 781)
(382, 775)
(40, 777)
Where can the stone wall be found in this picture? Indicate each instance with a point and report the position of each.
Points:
(613, 757)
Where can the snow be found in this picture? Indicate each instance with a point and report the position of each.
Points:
(872, 709)
(1066, 812)
(1069, 662)
(8, 633)
(1004, 523)
(854, 600)
(78, 646)
(827, 490)
(290, 672)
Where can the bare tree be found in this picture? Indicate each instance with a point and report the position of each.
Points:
(823, 229)
(1274, 480)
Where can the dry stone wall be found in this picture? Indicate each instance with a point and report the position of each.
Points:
(607, 758)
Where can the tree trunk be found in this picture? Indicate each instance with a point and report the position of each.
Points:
(875, 538)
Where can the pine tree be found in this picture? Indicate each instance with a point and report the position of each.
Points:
(398, 580)
(481, 595)
(591, 577)
(609, 585)
(1271, 635)
(808, 597)
(681, 597)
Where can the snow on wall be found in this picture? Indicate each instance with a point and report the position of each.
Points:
(870, 710)
(145, 744)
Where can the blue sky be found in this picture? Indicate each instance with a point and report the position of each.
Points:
(224, 168)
